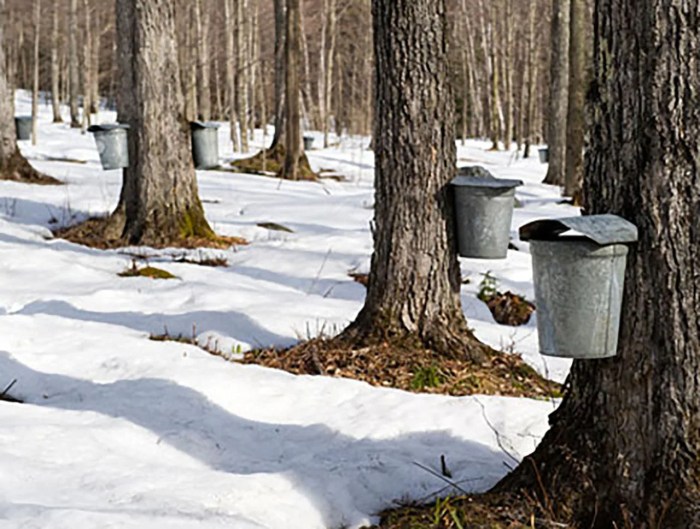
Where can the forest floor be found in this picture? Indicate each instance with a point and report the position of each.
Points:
(118, 429)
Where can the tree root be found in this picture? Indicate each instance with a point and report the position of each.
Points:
(270, 162)
(17, 169)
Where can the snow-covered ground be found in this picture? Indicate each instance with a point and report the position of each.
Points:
(121, 431)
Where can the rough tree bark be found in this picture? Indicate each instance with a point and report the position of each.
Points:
(624, 446)
(293, 146)
(414, 281)
(280, 18)
(159, 203)
(579, 75)
(559, 93)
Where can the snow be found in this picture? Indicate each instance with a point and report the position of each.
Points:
(121, 431)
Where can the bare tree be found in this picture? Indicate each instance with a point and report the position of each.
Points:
(559, 92)
(35, 81)
(293, 145)
(55, 66)
(623, 448)
(73, 67)
(579, 75)
(159, 204)
(13, 166)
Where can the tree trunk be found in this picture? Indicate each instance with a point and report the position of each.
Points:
(531, 65)
(159, 203)
(35, 80)
(55, 71)
(508, 73)
(13, 166)
(624, 445)
(242, 72)
(87, 67)
(330, 65)
(201, 50)
(231, 71)
(73, 66)
(293, 146)
(414, 281)
(280, 25)
(558, 93)
(578, 80)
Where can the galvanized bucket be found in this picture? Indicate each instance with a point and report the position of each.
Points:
(205, 144)
(112, 145)
(579, 275)
(23, 127)
(308, 143)
(544, 155)
(483, 212)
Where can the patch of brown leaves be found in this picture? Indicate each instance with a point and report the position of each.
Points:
(411, 368)
(510, 309)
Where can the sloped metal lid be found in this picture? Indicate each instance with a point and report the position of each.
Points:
(601, 229)
(105, 127)
(203, 125)
(491, 183)
(23, 118)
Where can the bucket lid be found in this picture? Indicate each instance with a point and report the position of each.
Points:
(491, 183)
(23, 118)
(203, 125)
(105, 127)
(601, 229)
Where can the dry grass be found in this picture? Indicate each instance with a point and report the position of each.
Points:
(413, 368)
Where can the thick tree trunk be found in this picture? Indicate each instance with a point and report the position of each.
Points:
(13, 166)
(414, 282)
(159, 202)
(579, 75)
(624, 445)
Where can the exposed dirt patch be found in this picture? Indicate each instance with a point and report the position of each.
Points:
(510, 309)
(95, 233)
(271, 161)
(406, 366)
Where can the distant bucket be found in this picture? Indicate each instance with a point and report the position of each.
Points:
(579, 275)
(23, 127)
(205, 144)
(308, 143)
(544, 155)
(483, 212)
(112, 145)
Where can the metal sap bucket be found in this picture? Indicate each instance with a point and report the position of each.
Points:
(308, 143)
(544, 155)
(579, 281)
(483, 213)
(112, 145)
(23, 127)
(205, 144)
